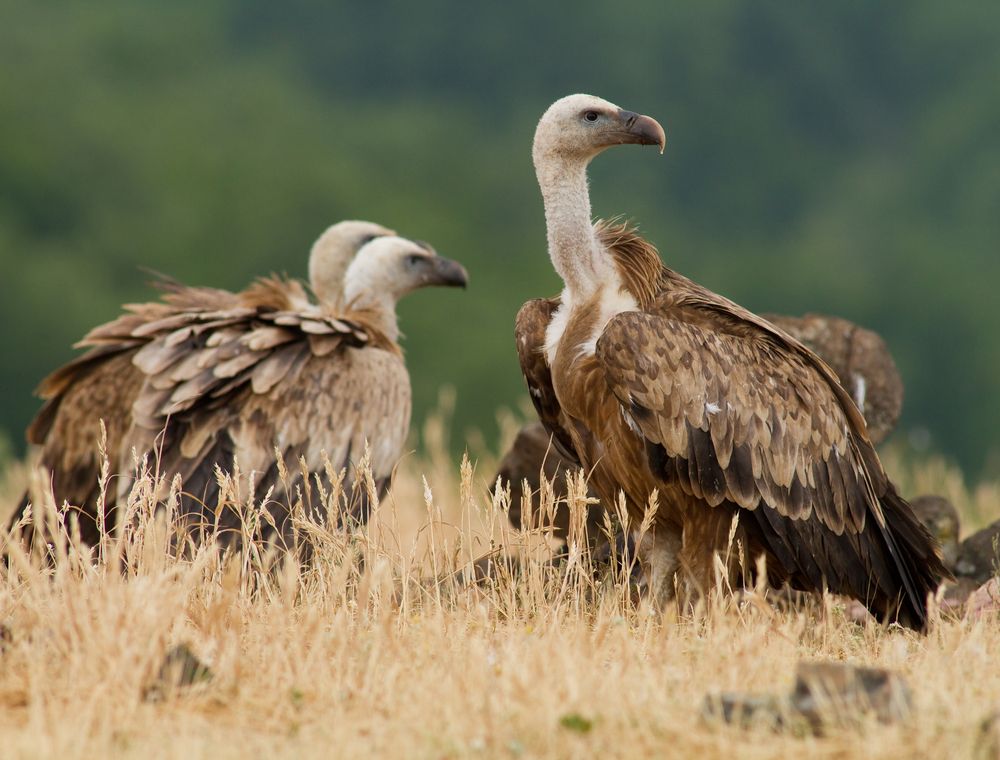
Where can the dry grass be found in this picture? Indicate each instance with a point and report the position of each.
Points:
(381, 649)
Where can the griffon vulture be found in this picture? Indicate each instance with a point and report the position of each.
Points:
(267, 373)
(103, 384)
(659, 386)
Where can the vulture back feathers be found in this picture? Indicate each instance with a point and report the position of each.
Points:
(659, 385)
(104, 383)
(862, 361)
(314, 385)
(859, 357)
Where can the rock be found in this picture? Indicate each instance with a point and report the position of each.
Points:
(745, 710)
(856, 612)
(180, 669)
(836, 694)
(985, 600)
(861, 360)
(827, 695)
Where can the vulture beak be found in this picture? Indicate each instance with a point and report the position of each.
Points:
(640, 130)
(447, 273)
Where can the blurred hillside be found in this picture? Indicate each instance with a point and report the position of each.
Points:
(830, 157)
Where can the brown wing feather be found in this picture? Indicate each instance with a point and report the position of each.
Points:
(734, 411)
(174, 351)
(101, 385)
(529, 334)
(758, 412)
(861, 360)
(303, 381)
(97, 387)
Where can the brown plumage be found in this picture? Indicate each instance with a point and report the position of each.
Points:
(978, 556)
(663, 386)
(271, 374)
(103, 383)
(852, 351)
(861, 360)
(531, 456)
(70, 435)
(238, 381)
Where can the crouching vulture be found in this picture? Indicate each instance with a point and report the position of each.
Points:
(104, 383)
(672, 395)
(271, 374)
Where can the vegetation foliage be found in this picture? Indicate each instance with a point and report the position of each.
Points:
(832, 157)
(383, 646)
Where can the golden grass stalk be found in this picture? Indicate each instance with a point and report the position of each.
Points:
(385, 644)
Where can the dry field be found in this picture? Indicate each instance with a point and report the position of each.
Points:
(381, 648)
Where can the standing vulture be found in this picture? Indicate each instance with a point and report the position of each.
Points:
(269, 372)
(669, 393)
(103, 384)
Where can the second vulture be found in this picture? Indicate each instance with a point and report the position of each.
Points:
(195, 364)
(271, 374)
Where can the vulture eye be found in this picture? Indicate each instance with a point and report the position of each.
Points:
(590, 116)
(413, 259)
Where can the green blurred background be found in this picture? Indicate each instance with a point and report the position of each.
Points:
(839, 157)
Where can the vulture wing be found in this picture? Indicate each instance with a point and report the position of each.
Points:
(529, 333)
(246, 381)
(861, 360)
(100, 385)
(732, 410)
(104, 383)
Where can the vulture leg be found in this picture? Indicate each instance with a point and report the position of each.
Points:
(706, 538)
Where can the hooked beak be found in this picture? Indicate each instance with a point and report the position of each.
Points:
(640, 130)
(448, 273)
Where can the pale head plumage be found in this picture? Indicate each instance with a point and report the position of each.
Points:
(581, 126)
(332, 254)
(388, 268)
(570, 133)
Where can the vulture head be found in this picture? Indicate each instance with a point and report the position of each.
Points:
(332, 254)
(578, 127)
(388, 268)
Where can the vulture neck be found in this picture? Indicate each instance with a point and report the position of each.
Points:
(379, 312)
(577, 255)
(327, 295)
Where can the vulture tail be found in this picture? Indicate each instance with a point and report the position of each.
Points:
(916, 556)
